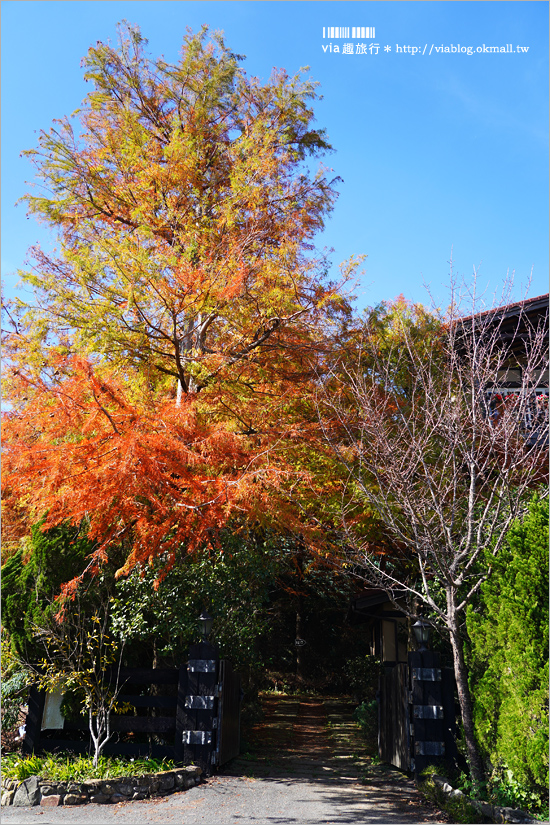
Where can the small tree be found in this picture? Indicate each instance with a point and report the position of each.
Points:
(80, 655)
(429, 459)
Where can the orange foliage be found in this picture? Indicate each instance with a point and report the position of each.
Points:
(161, 474)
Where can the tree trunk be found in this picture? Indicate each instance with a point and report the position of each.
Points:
(464, 696)
(100, 730)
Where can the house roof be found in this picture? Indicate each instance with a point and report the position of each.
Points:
(528, 306)
(515, 322)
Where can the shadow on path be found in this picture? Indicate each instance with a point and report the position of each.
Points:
(314, 739)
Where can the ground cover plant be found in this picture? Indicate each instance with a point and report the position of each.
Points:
(70, 768)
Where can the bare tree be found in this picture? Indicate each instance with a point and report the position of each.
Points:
(438, 454)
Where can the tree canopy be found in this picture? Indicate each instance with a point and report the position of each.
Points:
(160, 379)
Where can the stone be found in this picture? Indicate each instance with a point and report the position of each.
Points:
(166, 782)
(107, 788)
(47, 788)
(125, 788)
(139, 795)
(74, 787)
(99, 798)
(513, 815)
(75, 799)
(180, 779)
(483, 807)
(7, 798)
(28, 793)
(118, 797)
(50, 801)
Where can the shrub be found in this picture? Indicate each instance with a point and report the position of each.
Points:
(509, 655)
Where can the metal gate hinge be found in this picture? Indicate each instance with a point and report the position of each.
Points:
(428, 711)
(427, 674)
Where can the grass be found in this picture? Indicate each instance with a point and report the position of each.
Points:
(65, 768)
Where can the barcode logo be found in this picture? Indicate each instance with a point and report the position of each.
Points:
(335, 32)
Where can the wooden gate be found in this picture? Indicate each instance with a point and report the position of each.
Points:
(229, 713)
(393, 722)
(153, 721)
(417, 724)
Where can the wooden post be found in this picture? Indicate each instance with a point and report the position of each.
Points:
(200, 706)
(427, 714)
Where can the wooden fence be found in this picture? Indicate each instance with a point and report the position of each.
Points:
(187, 714)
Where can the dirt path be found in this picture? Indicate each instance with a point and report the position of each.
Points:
(315, 739)
(304, 764)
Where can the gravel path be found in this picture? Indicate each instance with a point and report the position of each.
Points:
(296, 769)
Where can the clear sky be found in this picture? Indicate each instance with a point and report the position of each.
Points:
(437, 149)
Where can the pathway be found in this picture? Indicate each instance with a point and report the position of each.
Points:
(304, 763)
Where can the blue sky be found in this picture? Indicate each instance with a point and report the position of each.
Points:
(436, 151)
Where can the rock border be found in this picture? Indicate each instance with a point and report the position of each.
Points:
(49, 794)
(496, 813)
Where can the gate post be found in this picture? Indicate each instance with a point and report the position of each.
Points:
(431, 711)
(198, 717)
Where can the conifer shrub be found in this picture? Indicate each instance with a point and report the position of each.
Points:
(508, 630)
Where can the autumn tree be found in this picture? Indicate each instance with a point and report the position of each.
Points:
(433, 456)
(161, 376)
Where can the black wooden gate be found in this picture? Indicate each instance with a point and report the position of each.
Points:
(417, 724)
(229, 714)
(393, 720)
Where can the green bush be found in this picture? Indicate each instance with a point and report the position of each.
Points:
(32, 579)
(14, 686)
(504, 789)
(459, 807)
(366, 716)
(508, 630)
(361, 674)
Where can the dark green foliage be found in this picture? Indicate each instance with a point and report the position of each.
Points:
(32, 578)
(14, 684)
(334, 656)
(509, 655)
(366, 716)
(362, 673)
(253, 584)
(232, 582)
